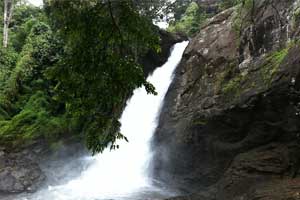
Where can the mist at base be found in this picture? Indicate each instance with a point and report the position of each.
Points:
(123, 173)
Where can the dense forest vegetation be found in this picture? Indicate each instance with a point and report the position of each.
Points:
(70, 66)
(189, 15)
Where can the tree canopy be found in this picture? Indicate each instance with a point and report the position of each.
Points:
(70, 67)
(99, 68)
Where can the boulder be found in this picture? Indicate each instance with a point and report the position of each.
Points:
(19, 174)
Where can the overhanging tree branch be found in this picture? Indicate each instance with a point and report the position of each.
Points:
(114, 20)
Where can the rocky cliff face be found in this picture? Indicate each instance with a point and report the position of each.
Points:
(230, 126)
(27, 169)
(209, 6)
(152, 59)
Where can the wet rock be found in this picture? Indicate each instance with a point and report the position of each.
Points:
(229, 123)
(275, 190)
(209, 6)
(19, 174)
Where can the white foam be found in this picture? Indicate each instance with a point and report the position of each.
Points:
(120, 173)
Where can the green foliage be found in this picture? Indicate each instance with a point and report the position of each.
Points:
(296, 16)
(27, 110)
(24, 17)
(229, 3)
(19, 38)
(229, 81)
(272, 64)
(34, 121)
(24, 12)
(243, 16)
(233, 85)
(74, 75)
(151, 9)
(41, 51)
(178, 8)
(237, 82)
(8, 59)
(190, 21)
(99, 68)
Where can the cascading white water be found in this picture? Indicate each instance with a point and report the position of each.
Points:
(122, 174)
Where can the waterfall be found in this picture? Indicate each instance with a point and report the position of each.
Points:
(122, 173)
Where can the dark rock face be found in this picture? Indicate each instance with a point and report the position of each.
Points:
(18, 173)
(209, 6)
(152, 60)
(229, 128)
(29, 168)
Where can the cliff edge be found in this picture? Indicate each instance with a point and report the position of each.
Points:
(230, 126)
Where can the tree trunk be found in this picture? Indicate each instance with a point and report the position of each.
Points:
(8, 9)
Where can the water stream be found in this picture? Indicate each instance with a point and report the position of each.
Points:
(123, 174)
